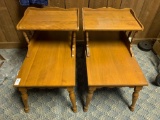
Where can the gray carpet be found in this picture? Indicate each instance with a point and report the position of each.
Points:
(54, 104)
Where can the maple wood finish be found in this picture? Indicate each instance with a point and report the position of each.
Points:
(110, 62)
(49, 18)
(110, 19)
(50, 62)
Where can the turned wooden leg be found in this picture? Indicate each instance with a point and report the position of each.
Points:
(132, 35)
(74, 44)
(87, 44)
(27, 40)
(89, 97)
(72, 98)
(135, 97)
(24, 98)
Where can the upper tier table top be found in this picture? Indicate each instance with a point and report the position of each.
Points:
(110, 19)
(49, 18)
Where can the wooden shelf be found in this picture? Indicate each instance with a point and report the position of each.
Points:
(49, 64)
(110, 19)
(110, 64)
(49, 18)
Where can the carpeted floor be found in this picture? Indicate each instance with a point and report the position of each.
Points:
(54, 104)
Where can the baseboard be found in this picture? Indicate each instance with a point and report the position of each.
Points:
(9, 45)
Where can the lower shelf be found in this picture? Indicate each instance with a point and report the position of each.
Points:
(110, 64)
(49, 64)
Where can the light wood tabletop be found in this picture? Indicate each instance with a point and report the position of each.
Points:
(111, 63)
(49, 18)
(49, 64)
(110, 19)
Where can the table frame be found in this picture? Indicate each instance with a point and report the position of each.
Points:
(70, 89)
(131, 33)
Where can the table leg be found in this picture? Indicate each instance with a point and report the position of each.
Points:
(24, 98)
(135, 97)
(132, 35)
(129, 34)
(89, 97)
(73, 44)
(72, 98)
(27, 40)
(87, 44)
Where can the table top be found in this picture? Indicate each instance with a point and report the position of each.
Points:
(49, 18)
(110, 64)
(49, 63)
(110, 19)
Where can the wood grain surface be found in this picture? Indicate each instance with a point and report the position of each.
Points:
(49, 63)
(6, 25)
(49, 18)
(110, 64)
(110, 19)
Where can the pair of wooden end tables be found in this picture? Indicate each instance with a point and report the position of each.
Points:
(50, 63)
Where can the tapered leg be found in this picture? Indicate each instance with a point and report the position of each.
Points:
(72, 98)
(135, 97)
(24, 98)
(89, 97)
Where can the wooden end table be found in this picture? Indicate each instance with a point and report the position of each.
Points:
(49, 63)
(109, 62)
